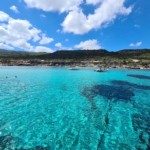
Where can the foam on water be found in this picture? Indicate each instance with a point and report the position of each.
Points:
(55, 108)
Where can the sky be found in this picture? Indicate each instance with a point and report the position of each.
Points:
(48, 25)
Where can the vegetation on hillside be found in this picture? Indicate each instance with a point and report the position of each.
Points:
(78, 54)
(123, 58)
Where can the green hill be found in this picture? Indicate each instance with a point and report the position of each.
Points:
(78, 55)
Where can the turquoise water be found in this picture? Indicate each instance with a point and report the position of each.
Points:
(60, 109)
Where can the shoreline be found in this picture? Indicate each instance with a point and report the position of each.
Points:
(68, 66)
(128, 64)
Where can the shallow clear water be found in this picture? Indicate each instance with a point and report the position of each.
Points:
(56, 108)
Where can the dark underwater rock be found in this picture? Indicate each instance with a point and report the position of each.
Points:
(141, 125)
(5, 141)
(111, 92)
(141, 121)
(42, 148)
(115, 93)
(139, 76)
(90, 96)
(129, 85)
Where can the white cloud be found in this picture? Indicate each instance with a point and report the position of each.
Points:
(78, 23)
(88, 45)
(59, 45)
(136, 44)
(94, 2)
(17, 33)
(45, 40)
(50, 5)
(43, 49)
(4, 16)
(105, 12)
(14, 9)
(5, 46)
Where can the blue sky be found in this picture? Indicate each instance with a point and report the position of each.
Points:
(47, 25)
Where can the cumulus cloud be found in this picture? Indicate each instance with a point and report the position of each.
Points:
(17, 33)
(107, 11)
(88, 45)
(135, 44)
(59, 45)
(14, 9)
(45, 40)
(94, 2)
(50, 5)
(4, 16)
(5, 46)
(76, 22)
(42, 49)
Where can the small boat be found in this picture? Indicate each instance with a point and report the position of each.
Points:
(100, 70)
(73, 68)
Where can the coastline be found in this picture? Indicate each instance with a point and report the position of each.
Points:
(131, 59)
(84, 64)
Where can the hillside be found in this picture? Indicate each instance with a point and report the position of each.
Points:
(78, 54)
(124, 58)
(17, 54)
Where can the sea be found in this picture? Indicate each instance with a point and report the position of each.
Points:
(54, 108)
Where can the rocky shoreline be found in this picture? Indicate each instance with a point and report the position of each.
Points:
(135, 64)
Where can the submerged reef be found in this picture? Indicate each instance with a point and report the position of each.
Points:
(90, 96)
(141, 125)
(6, 142)
(118, 91)
(124, 91)
(111, 92)
(139, 76)
(130, 85)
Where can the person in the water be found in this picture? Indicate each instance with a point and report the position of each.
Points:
(6, 77)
